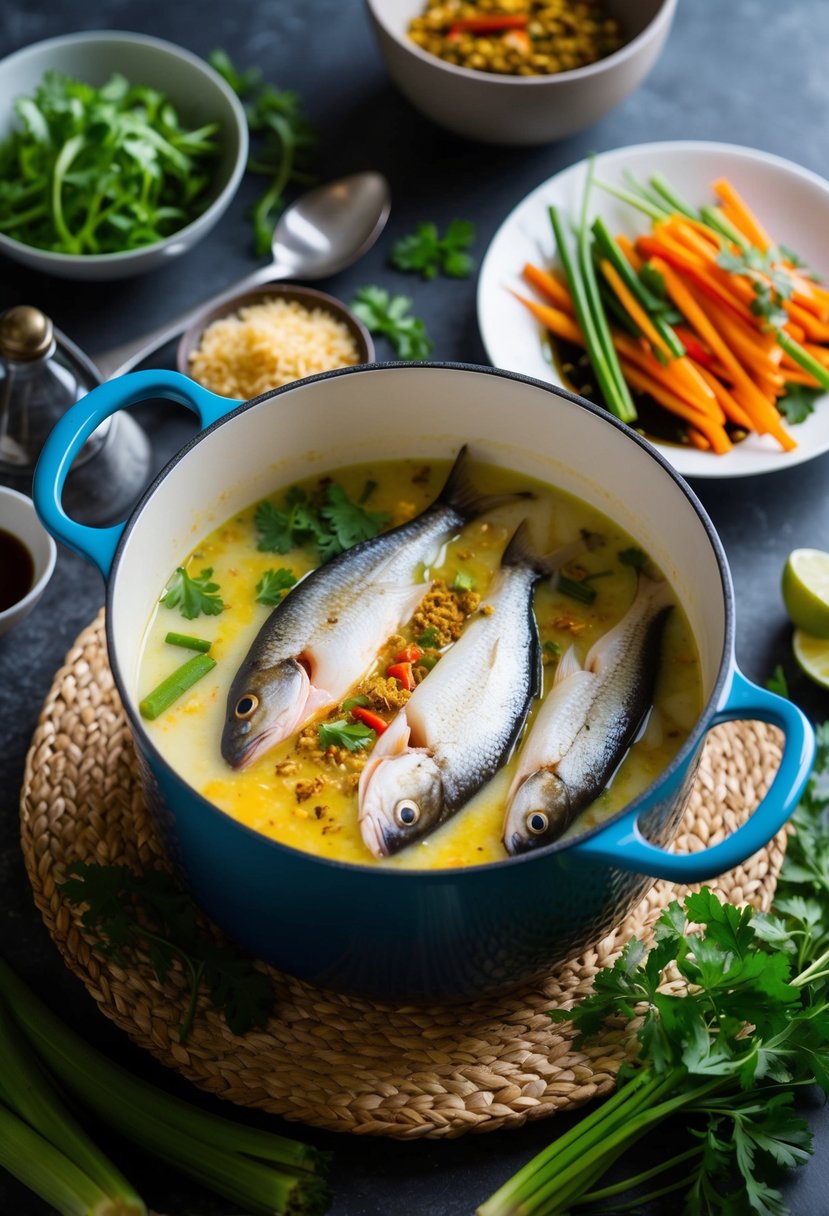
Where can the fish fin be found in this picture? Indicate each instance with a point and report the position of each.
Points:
(519, 552)
(568, 666)
(395, 739)
(462, 495)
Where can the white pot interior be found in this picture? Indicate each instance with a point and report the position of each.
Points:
(391, 412)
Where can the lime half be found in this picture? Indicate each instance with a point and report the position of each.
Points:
(805, 589)
(812, 655)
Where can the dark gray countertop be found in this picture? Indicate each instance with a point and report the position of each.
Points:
(750, 72)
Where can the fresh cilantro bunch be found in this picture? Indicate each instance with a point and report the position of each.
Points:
(152, 914)
(283, 142)
(426, 252)
(727, 1052)
(193, 594)
(383, 313)
(101, 170)
(332, 523)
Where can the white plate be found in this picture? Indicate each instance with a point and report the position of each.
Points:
(792, 202)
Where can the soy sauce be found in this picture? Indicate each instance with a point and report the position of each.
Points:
(17, 570)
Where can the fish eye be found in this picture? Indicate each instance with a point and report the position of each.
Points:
(246, 705)
(406, 813)
(537, 823)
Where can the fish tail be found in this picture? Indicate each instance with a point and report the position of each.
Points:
(519, 552)
(462, 495)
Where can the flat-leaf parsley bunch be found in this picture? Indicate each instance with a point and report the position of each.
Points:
(728, 1051)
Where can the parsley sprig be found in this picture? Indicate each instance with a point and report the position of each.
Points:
(383, 313)
(273, 584)
(353, 736)
(426, 252)
(728, 1052)
(193, 594)
(151, 914)
(332, 522)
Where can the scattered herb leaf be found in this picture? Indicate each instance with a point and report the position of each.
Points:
(351, 735)
(426, 252)
(273, 584)
(463, 581)
(193, 594)
(353, 702)
(552, 647)
(383, 313)
(367, 491)
(151, 913)
(348, 523)
(333, 523)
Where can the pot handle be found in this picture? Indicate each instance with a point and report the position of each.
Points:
(622, 845)
(71, 432)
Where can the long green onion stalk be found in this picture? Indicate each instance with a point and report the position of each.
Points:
(265, 1173)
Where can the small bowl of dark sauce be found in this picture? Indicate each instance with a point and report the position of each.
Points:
(27, 557)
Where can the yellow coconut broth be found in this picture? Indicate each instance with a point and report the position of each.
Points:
(305, 798)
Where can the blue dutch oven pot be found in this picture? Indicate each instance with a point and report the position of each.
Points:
(395, 934)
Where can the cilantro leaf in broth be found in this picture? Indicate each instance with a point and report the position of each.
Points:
(351, 735)
(193, 594)
(273, 584)
(348, 521)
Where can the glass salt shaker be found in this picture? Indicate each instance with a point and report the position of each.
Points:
(43, 373)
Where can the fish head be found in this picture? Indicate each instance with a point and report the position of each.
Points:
(538, 813)
(264, 706)
(401, 801)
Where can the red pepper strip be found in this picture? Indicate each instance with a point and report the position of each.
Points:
(409, 654)
(693, 347)
(489, 25)
(403, 673)
(369, 719)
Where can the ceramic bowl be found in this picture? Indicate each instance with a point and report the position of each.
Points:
(198, 94)
(408, 934)
(520, 109)
(309, 297)
(19, 518)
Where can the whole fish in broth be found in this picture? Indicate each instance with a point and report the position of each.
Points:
(460, 724)
(586, 723)
(324, 635)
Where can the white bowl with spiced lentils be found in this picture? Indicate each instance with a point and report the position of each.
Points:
(518, 71)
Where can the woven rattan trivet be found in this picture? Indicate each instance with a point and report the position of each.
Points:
(329, 1060)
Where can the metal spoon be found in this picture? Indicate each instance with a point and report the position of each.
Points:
(320, 234)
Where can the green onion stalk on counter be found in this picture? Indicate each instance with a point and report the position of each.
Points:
(43, 1145)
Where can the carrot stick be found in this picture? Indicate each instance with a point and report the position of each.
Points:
(554, 319)
(733, 411)
(692, 267)
(550, 287)
(704, 401)
(713, 432)
(735, 219)
(796, 375)
(739, 338)
(698, 440)
(634, 308)
(749, 225)
(811, 326)
(764, 417)
(794, 331)
(817, 352)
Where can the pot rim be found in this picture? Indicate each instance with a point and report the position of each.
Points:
(378, 873)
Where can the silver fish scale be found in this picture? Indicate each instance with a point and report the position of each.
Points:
(320, 600)
(475, 702)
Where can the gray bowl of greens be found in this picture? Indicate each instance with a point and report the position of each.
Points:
(117, 152)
